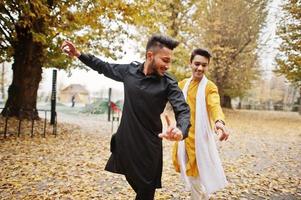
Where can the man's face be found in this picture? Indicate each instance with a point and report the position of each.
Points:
(160, 60)
(199, 67)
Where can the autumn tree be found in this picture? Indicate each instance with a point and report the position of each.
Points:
(31, 32)
(289, 58)
(175, 18)
(230, 29)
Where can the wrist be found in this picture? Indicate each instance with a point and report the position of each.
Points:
(220, 121)
(180, 133)
(77, 54)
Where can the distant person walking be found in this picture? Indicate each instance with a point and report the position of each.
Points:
(137, 145)
(197, 157)
(73, 101)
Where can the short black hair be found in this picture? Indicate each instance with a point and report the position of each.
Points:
(200, 52)
(161, 41)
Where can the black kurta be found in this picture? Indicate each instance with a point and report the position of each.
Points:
(136, 147)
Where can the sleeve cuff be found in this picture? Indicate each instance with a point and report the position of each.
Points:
(185, 130)
(221, 121)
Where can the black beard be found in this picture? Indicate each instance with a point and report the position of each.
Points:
(154, 68)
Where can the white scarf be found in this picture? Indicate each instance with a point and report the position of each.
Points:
(211, 173)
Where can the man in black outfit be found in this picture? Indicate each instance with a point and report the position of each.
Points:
(137, 145)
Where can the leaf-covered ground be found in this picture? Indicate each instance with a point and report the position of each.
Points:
(261, 159)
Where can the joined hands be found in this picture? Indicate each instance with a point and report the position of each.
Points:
(172, 133)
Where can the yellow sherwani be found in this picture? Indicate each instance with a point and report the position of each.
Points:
(215, 113)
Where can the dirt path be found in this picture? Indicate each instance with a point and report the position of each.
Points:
(266, 144)
(261, 160)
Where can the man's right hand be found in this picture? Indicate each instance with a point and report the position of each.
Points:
(222, 131)
(69, 48)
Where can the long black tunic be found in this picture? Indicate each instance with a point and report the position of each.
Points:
(136, 147)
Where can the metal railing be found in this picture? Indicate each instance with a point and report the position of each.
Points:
(21, 114)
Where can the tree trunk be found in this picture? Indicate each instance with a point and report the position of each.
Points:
(300, 100)
(174, 28)
(239, 104)
(27, 74)
(226, 101)
(3, 81)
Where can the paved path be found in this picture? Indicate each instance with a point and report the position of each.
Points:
(92, 124)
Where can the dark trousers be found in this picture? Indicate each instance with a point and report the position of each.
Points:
(142, 193)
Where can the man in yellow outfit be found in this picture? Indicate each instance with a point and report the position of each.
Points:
(196, 158)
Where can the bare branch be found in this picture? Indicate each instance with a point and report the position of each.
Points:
(241, 49)
(16, 6)
(6, 24)
(8, 14)
(7, 38)
(3, 47)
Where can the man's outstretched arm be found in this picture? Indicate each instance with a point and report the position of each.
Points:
(113, 71)
(216, 113)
